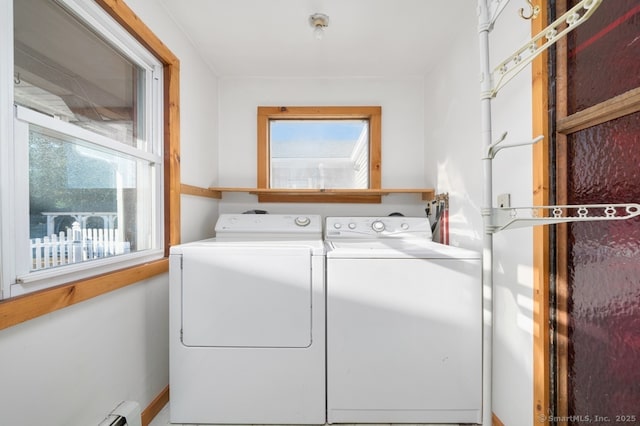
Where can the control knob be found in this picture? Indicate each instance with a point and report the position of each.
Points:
(302, 221)
(377, 226)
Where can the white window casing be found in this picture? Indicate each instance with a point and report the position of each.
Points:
(15, 266)
(7, 237)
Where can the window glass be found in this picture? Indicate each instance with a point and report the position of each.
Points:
(314, 148)
(65, 70)
(85, 202)
(605, 45)
(604, 272)
(319, 154)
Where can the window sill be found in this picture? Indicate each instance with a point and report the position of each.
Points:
(373, 196)
(19, 309)
(48, 277)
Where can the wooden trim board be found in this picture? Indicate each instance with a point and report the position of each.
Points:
(541, 261)
(199, 192)
(155, 406)
(23, 308)
(619, 106)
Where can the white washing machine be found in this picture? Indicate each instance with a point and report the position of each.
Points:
(247, 323)
(404, 324)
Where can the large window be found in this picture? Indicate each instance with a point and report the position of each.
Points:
(87, 147)
(319, 148)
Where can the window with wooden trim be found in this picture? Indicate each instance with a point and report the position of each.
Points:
(96, 116)
(319, 148)
(87, 146)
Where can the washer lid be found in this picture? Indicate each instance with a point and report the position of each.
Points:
(396, 249)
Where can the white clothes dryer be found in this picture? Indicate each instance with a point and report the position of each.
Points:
(404, 324)
(247, 324)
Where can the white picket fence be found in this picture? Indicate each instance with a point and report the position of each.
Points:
(78, 245)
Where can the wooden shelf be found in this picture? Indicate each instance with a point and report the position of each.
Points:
(325, 195)
(199, 192)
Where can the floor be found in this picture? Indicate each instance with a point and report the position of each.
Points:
(162, 419)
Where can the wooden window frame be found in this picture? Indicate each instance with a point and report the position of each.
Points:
(23, 308)
(371, 113)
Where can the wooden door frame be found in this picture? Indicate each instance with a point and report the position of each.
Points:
(565, 124)
(541, 241)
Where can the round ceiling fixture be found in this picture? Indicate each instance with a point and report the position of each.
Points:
(318, 21)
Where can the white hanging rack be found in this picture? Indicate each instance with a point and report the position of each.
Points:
(522, 57)
(508, 218)
(520, 217)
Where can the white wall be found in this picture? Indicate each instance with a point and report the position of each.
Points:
(452, 126)
(513, 273)
(452, 129)
(73, 366)
(402, 104)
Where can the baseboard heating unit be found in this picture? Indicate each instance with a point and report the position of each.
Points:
(127, 413)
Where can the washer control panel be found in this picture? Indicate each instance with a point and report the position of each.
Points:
(377, 227)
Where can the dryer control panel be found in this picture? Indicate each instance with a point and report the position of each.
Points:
(269, 225)
(371, 227)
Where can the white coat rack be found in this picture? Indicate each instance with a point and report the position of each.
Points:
(498, 219)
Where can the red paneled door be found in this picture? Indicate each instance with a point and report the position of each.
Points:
(599, 262)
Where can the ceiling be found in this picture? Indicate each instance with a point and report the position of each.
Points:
(365, 38)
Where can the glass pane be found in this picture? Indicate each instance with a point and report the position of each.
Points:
(604, 55)
(319, 154)
(604, 275)
(65, 70)
(85, 203)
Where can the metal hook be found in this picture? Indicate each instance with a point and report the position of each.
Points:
(16, 78)
(535, 10)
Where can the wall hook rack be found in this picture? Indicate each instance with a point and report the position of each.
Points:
(495, 147)
(521, 217)
(534, 11)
